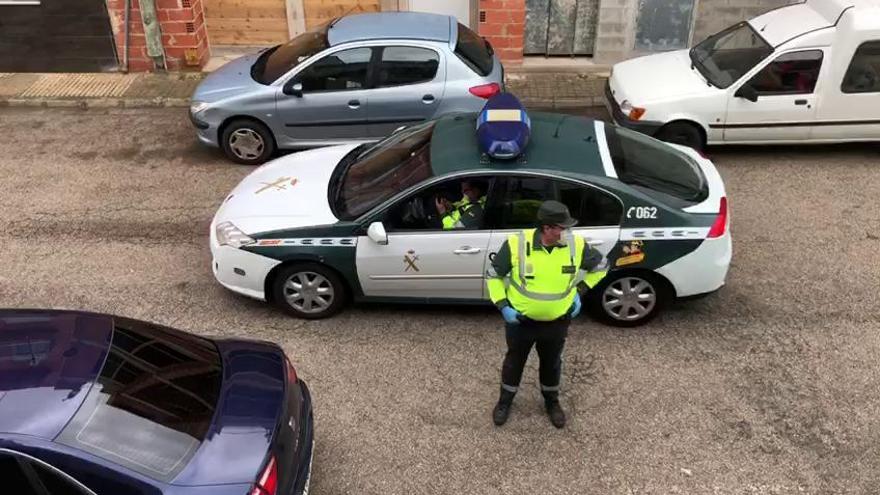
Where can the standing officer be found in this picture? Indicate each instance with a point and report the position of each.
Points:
(544, 267)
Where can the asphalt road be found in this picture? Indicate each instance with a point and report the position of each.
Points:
(770, 386)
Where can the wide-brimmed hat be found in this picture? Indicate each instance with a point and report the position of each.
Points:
(555, 213)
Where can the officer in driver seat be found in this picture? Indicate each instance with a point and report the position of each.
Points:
(466, 213)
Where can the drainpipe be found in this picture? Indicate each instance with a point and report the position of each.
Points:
(127, 36)
(153, 33)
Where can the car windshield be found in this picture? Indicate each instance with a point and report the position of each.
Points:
(279, 60)
(153, 402)
(656, 168)
(370, 175)
(725, 57)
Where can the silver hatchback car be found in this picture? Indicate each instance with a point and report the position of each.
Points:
(356, 79)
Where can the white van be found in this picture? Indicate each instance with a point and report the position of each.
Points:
(807, 72)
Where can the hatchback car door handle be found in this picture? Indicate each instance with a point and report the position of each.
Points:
(428, 99)
(467, 250)
(354, 104)
(800, 102)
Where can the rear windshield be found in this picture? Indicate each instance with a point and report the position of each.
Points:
(371, 175)
(279, 60)
(656, 168)
(474, 51)
(153, 402)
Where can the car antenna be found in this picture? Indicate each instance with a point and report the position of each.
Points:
(558, 125)
(334, 21)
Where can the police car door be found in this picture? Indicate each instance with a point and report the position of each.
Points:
(421, 259)
(598, 212)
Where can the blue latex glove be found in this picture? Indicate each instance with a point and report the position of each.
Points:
(576, 307)
(510, 315)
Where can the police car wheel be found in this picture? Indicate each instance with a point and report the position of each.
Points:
(628, 299)
(247, 142)
(682, 133)
(309, 291)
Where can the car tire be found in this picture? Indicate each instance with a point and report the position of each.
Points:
(324, 295)
(648, 295)
(682, 133)
(247, 142)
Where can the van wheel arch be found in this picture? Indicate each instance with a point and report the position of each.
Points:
(682, 128)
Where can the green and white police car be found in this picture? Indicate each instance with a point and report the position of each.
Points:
(312, 230)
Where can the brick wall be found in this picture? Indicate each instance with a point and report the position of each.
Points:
(184, 36)
(503, 23)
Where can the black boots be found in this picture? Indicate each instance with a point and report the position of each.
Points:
(502, 409)
(554, 410)
(551, 404)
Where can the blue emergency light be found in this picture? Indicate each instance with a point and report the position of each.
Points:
(503, 127)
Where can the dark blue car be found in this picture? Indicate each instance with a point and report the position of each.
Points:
(93, 403)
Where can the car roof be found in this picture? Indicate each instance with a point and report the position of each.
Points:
(788, 22)
(51, 360)
(392, 25)
(558, 143)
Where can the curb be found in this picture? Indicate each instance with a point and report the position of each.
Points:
(87, 103)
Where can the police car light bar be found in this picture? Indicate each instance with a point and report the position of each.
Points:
(503, 127)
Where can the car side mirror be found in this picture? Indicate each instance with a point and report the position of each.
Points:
(376, 233)
(748, 92)
(294, 89)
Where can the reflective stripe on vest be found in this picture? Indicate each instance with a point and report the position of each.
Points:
(523, 253)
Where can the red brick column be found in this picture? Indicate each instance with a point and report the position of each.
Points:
(503, 23)
(184, 36)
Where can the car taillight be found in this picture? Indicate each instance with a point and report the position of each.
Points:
(268, 481)
(291, 373)
(720, 224)
(486, 90)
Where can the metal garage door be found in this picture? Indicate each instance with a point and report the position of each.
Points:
(560, 27)
(56, 36)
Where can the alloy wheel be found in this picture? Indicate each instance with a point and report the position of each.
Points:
(629, 299)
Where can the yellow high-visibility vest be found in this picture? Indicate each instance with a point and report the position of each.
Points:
(542, 286)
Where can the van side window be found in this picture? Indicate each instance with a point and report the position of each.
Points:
(790, 74)
(863, 74)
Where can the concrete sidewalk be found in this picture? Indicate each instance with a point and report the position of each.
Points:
(136, 90)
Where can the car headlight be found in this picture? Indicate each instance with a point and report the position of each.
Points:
(631, 111)
(230, 235)
(197, 106)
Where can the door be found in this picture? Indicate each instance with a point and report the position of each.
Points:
(409, 86)
(334, 98)
(421, 258)
(850, 106)
(461, 9)
(598, 212)
(57, 36)
(786, 104)
(560, 27)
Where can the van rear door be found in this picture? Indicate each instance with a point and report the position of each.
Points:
(850, 106)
